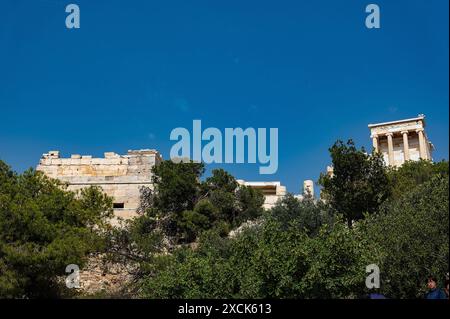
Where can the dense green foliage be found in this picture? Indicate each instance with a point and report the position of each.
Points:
(359, 183)
(181, 244)
(218, 203)
(413, 233)
(44, 228)
(183, 206)
(277, 259)
(308, 214)
(305, 249)
(413, 173)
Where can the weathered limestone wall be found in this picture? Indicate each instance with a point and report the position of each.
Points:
(119, 176)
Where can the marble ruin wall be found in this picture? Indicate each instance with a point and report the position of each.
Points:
(119, 176)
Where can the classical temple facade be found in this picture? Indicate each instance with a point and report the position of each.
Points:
(402, 140)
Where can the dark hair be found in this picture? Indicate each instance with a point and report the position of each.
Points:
(431, 278)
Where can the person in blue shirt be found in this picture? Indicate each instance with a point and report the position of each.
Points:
(434, 292)
(446, 287)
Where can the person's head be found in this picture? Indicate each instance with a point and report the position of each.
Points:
(431, 282)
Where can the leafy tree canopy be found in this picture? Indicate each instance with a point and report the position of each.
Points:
(414, 173)
(178, 210)
(183, 206)
(273, 260)
(412, 232)
(359, 183)
(44, 228)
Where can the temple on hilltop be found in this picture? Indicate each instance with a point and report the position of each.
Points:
(402, 140)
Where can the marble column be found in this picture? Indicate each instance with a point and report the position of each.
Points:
(375, 142)
(405, 146)
(422, 150)
(390, 148)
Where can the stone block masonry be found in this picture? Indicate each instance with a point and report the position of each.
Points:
(119, 176)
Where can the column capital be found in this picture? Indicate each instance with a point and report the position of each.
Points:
(419, 130)
(404, 132)
(374, 135)
(389, 134)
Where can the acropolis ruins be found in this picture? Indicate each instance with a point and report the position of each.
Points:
(401, 141)
(121, 176)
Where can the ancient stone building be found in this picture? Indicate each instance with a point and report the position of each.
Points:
(272, 191)
(403, 140)
(120, 176)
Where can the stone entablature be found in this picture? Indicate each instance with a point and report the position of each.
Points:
(400, 141)
(119, 176)
(396, 127)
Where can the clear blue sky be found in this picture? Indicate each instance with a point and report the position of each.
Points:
(137, 69)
